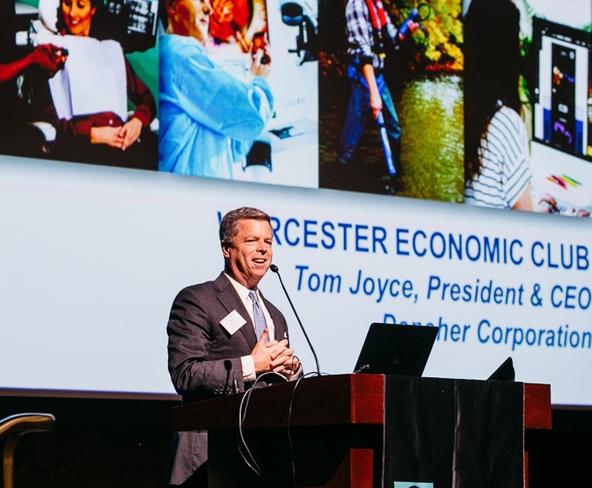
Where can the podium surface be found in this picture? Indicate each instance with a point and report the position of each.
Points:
(336, 425)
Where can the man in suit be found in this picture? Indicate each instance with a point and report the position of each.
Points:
(224, 333)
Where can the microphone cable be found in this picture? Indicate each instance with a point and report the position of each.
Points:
(243, 447)
(290, 439)
(274, 268)
(244, 450)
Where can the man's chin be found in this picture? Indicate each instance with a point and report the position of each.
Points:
(259, 271)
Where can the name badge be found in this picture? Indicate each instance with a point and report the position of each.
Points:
(232, 322)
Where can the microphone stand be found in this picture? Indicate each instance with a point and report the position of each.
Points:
(276, 270)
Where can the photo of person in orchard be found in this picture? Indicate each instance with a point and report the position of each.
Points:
(391, 97)
(77, 90)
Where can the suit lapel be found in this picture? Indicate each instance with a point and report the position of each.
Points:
(278, 320)
(228, 297)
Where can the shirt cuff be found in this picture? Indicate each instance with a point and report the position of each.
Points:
(296, 374)
(142, 117)
(248, 365)
(83, 127)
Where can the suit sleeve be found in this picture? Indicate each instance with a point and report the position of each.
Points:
(190, 336)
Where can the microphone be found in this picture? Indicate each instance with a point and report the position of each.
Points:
(230, 388)
(276, 270)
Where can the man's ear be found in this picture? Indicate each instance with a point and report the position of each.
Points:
(225, 250)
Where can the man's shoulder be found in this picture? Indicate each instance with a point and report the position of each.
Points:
(205, 288)
(198, 287)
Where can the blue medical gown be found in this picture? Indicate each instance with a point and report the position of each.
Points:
(208, 118)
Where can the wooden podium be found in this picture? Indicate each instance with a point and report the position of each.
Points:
(336, 426)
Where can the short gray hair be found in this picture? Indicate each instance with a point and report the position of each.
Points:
(228, 224)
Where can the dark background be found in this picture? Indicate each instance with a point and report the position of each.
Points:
(125, 443)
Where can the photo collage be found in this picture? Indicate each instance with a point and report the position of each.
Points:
(481, 102)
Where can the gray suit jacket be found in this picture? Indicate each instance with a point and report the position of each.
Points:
(204, 358)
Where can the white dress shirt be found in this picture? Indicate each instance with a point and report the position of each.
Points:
(248, 364)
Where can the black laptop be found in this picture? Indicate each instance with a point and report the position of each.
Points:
(396, 349)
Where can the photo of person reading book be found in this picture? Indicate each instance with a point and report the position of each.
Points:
(87, 101)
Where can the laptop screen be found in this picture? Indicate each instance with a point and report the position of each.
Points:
(396, 349)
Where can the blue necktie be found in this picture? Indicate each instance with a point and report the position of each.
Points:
(258, 316)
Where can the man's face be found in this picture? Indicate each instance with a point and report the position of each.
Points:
(249, 255)
(190, 18)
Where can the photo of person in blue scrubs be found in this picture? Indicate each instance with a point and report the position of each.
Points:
(209, 118)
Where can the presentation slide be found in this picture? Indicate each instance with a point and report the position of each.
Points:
(424, 163)
(92, 259)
